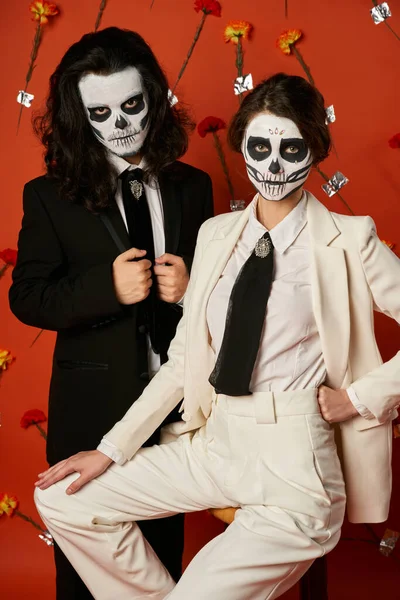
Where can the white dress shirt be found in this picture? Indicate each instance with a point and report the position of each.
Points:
(290, 353)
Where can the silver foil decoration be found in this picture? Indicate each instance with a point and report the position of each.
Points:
(47, 538)
(330, 114)
(380, 13)
(336, 182)
(388, 542)
(25, 98)
(243, 84)
(136, 188)
(172, 98)
(237, 205)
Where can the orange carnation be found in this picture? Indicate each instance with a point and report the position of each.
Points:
(388, 244)
(236, 30)
(41, 10)
(6, 358)
(287, 39)
(8, 504)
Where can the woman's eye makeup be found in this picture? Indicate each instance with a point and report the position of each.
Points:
(292, 149)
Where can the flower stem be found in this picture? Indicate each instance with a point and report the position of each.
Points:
(239, 63)
(392, 30)
(189, 54)
(100, 14)
(41, 430)
(325, 176)
(33, 57)
(3, 270)
(286, 9)
(152, 4)
(221, 156)
(301, 60)
(28, 520)
(36, 338)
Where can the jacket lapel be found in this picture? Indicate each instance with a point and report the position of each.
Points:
(215, 256)
(112, 220)
(329, 291)
(171, 201)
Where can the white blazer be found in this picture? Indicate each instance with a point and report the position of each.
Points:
(353, 273)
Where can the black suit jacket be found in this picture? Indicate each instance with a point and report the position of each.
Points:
(63, 282)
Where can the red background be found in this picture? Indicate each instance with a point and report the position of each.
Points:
(355, 65)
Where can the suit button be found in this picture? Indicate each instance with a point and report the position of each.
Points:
(186, 417)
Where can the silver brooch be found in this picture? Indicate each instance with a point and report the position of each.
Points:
(263, 247)
(136, 188)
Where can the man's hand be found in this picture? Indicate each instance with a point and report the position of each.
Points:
(172, 277)
(132, 279)
(335, 405)
(89, 464)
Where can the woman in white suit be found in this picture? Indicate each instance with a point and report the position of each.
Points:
(275, 346)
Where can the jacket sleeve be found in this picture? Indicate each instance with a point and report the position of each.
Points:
(164, 391)
(379, 390)
(42, 294)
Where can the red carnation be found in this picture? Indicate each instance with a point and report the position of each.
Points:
(34, 417)
(209, 7)
(210, 125)
(8, 256)
(394, 141)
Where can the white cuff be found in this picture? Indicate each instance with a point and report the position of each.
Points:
(180, 302)
(111, 451)
(360, 408)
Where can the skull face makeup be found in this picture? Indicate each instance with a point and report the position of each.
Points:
(117, 109)
(277, 158)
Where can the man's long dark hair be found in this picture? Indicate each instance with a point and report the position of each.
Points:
(74, 157)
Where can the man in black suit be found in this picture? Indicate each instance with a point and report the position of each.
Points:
(105, 249)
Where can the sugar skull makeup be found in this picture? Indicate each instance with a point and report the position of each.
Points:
(117, 109)
(277, 158)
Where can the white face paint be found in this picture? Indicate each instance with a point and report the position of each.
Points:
(117, 109)
(277, 158)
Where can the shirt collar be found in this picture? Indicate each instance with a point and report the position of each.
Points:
(121, 165)
(284, 234)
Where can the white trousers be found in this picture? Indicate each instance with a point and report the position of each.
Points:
(272, 455)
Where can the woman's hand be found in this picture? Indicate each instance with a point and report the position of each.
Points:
(335, 405)
(89, 464)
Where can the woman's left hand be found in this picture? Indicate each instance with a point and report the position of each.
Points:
(89, 464)
(335, 405)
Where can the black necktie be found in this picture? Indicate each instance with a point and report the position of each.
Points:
(244, 322)
(141, 236)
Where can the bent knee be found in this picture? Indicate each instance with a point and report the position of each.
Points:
(54, 497)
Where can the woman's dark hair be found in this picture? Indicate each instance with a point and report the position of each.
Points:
(291, 97)
(74, 157)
